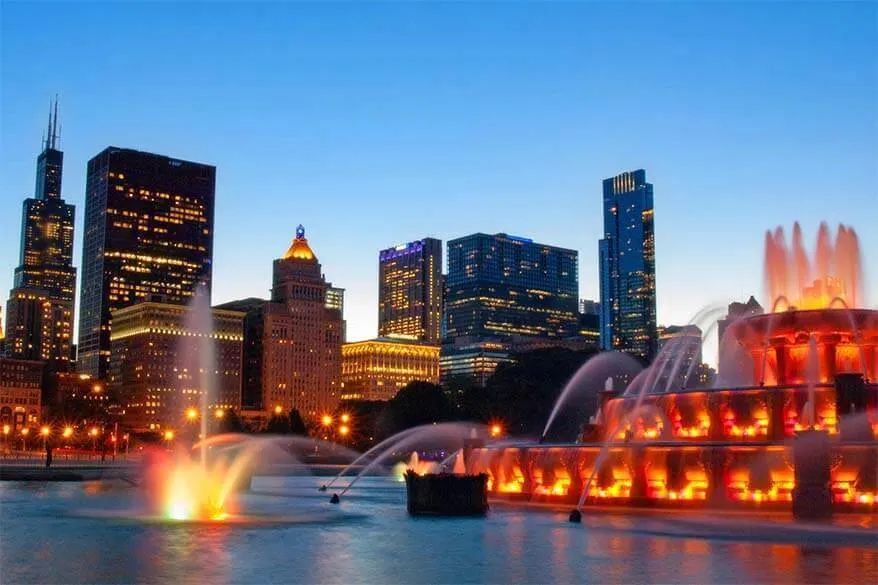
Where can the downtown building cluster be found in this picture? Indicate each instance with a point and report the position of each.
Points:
(446, 314)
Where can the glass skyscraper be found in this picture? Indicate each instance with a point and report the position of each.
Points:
(39, 312)
(148, 237)
(627, 266)
(501, 286)
(410, 290)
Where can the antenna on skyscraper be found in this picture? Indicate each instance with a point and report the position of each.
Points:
(55, 124)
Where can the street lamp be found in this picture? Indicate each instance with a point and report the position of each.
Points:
(94, 438)
(326, 420)
(6, 430)
(278, 410)
(191, 414)
(345, 418)
(24, 433)
(496, 430)
(169, 435)
(45, 433)
(219, 413)
(68, 432)
(344, 430)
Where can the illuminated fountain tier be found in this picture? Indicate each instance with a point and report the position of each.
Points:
(804, 429)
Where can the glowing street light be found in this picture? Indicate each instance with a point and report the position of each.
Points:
(67, 433)
(345, 418)
(6, 430)
(94, 438)
(169, 435)
(191, 413)
(219, 413)
(496, 430)
(343, 430)
(24, 433)
(278, 409)
(326, 420)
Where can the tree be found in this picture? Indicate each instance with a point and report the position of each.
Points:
(297, 425)
(522, 394)
(418, 403)
(231, 423)
(290, 423)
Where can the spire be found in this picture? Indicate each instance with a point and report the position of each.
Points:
(52, 131)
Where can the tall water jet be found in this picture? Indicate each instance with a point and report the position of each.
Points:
(199, 321)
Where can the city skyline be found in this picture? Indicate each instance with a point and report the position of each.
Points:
(749, 180)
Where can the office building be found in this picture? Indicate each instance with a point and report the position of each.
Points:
(471, 361)
(589, 307)
(156, 362)
(627, 266)
(148, 237)
(377, 369)
(292, 356)
(500, 285)
(40, 309)
(20, 392)
(410, 290)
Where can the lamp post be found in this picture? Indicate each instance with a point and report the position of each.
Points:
(24, 433)
(125, 438)
(94, 438)
(45, 434)
(6, 430)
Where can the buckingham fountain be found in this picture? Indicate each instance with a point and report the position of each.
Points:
(798, 435)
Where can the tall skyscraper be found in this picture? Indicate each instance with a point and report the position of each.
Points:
(148, 237)
(292, 343)
(410, 290)
(627, 266)
(500, 285)
(39, 315)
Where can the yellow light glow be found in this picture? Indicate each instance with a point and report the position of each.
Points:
(25, 431)
(278, 409)
(6, 429)
(169, 435)
(344, 430)
(191, 413)
(496, 430)
(326, 420)
(219, 413)
(93, 432)
(345, 418)
(44, 431)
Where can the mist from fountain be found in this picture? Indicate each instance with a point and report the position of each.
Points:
(199, 320)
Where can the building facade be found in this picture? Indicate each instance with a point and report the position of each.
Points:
(20, 392)
(627, 266)
(148, 237)
(377, 369)
(40, 309)
(157, 363)
(679, 356)
(410, 290)
(471, 361)
(500, 285)
(292, 356)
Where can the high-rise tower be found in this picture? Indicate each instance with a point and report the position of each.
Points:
(39, 313)
(148, 237)
(627, 266)
(410, 290)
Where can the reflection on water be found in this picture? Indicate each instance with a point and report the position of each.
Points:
(373, 541)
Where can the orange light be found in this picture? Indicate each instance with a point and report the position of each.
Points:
(6, 429)
(97, 388)
(169, 435)
(191, 413)
(278, 409)
(326, 420)
(25, 431)
(93, 432)
(44, 431)
(344, 430)
(345, 418)
(68, 431)
(113, 438)
(496, 430)
(219, 413)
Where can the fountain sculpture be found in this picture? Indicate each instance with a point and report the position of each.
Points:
(800, 436)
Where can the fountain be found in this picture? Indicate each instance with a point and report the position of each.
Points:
(799, 436)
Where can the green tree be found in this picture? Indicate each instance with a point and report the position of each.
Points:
(231, 423)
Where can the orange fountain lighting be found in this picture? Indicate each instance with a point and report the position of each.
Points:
(832, 274)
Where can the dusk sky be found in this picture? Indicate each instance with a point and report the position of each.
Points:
(378, 123)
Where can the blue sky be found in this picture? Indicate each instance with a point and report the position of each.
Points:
(378, 123)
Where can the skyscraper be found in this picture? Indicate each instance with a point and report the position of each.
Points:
(148, 237)
(39, 315)
(410, 290)
(292, 343)
(500, 285)
(627, 266)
